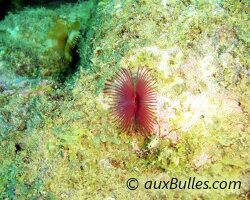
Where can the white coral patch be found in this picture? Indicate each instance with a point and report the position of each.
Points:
(200, 160)
(103, 102)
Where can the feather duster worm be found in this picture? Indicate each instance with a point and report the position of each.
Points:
(62, 38)
(134, 101)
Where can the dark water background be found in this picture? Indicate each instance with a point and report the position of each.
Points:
(17, 5)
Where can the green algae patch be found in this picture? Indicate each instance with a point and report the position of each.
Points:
(58, 141)
(42, 42)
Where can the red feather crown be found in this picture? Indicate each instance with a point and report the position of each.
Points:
(134, 104)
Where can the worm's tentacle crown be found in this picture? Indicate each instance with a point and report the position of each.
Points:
(133, 105)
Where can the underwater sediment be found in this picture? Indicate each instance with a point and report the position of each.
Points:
(57, 140)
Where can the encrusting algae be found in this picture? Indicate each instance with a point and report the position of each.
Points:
(57, 140)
